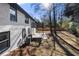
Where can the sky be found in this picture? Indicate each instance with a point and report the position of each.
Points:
(29, 9)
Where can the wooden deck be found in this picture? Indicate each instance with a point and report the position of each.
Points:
(69, 41)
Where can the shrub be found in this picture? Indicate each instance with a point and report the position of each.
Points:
(74, 29)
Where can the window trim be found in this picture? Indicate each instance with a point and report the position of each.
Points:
(7, 40)
(15, 14)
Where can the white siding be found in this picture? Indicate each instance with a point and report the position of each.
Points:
(4, 14)
(20, 19)
(15, 28)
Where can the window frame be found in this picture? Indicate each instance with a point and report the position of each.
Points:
(12, 8)
(6, 41)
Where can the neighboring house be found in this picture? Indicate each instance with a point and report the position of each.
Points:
(15, 26)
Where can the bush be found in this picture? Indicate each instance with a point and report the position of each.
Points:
(74, 29)
(64, 24)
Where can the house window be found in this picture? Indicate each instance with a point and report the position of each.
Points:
(13, 14)
(27, 20)
(4, 41)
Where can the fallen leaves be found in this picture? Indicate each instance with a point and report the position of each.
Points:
(34, 49)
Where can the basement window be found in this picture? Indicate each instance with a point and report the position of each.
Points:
(4, 41)
(13, 14)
